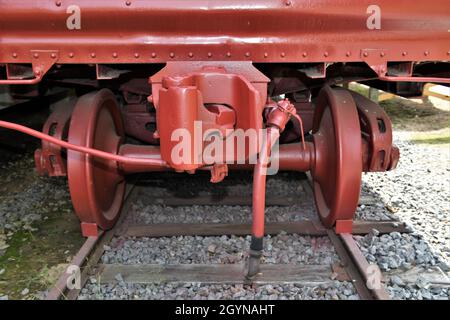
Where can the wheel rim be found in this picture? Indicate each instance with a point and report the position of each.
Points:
(338, 167)
(96, 186)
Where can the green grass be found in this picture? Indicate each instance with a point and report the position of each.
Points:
(437, 137)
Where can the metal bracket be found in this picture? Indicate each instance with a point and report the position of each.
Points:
(42, 61)
(376, 60)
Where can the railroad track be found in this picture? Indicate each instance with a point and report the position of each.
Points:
(352, 267)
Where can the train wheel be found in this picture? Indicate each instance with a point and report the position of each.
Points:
(96, 186)
(338, 166)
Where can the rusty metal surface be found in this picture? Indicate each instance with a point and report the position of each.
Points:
(88, 256)
(263, 30)
(352, 270)
(377, 289)
(60, 287)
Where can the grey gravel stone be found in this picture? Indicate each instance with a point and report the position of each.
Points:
(25, 291)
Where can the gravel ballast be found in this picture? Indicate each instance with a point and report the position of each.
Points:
(403, 194)
(418, 191)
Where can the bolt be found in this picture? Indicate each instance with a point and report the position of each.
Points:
(114, 55)
(93, 55)
(14, 55)
(266, 54)
(304, 54)
(404, 53)
(283, 54)
(153, 55)
(136, 55)
(36, 55)
(426, 53)
(172, 55)
(365, 54)
(382, 54)
(53, 55)
(71, 54)
(247, 54)
(288, 3)
(209, 54)
(190, 54)
(325, 54)
(58, 3)
(348, 54)
(228, 54)
(128, 3)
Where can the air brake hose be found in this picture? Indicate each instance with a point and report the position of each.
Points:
(259, 201)
(277, 118)
(90, 151)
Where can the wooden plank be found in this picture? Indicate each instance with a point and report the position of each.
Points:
(308, 275)
(432, 275)
(306, 227)
(438, 91)
(361, 227)
(228, 200)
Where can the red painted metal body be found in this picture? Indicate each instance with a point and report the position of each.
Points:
(209, 30)
(44, 33)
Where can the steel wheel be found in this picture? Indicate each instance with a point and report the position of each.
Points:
(96, 185)
(338, 166)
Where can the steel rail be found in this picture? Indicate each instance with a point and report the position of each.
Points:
(88, 256)
(354, 264)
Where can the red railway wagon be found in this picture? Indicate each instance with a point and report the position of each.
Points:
(268, 72)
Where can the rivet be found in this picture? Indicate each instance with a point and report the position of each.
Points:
(190, 54)
(426, 53)
(247, 54)
(93, 55)
(53, 55)
(348, 54)
(283, 54)
(71, 54)
(136, 55)
(228, 54)
(382, 54)
(153, 55)
(128, 3)
(304, 54)
(365, 54)
(266, 54)
(448, 53)
(404, 53)
(37, 71)
(14, 55)
(114, 54)
(288, 3)
(325, 54)
(172, 55)
(58, 3)
(36, 55)
(209, 54)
